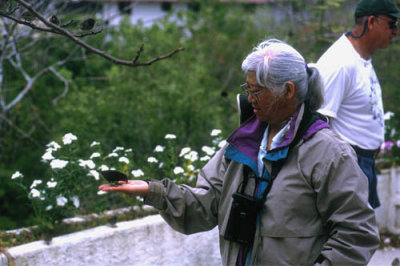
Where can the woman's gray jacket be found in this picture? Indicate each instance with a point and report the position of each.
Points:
(317, 205)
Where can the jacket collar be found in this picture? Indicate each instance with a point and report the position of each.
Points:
(247, 138)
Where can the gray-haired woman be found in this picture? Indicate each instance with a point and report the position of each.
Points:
(285, 190)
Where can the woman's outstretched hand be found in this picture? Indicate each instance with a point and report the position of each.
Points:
(133, 187)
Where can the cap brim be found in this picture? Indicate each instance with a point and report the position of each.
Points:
(396, 15)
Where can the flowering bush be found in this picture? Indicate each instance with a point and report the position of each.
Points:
(181, 166)
(70, 186)
(390, 150)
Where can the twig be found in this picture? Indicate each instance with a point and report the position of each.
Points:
(66, 85)
(138, 53)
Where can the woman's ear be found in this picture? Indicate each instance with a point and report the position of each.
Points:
(289, 90)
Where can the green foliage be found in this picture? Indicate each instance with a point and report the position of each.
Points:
(186, 95)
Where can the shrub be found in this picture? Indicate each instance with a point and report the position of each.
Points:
(70, 187)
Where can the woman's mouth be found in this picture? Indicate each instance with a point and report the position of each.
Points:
(256, 110)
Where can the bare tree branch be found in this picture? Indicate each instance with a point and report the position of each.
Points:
(56, 29)
(3, 56)
(26, 23)
(31, 80)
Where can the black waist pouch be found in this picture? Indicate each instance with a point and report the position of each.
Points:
(243, 219)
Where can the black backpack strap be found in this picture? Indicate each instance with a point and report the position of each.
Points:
(244, 108)
(247, 174)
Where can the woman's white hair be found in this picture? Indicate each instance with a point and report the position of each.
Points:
(275, 63)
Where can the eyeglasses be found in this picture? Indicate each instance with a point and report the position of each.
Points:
(393, 22)
(246, 88)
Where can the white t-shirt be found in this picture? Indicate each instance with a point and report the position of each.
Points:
(353, 97)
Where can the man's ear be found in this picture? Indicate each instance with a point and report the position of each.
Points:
(290, 90)
(371, 22)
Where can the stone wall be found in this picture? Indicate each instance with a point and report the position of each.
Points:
(146, 241)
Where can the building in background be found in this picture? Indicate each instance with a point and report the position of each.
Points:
(149, 11)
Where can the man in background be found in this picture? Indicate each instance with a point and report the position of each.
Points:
(353, 98)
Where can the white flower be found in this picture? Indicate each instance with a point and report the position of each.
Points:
(215, 132)
(113, 154)
(128, 150)
(140, 199)
(103, 167)
(35, 193)
(170, 136)
(17, 175)
(87, 164)
(58, 164)
(94, 143)
(48, 208)
(53, 146)
(101, 192)
(95, 174)
(222, 144)
(51, 184)
(48, 156)
(184, 151)
(161, 165)
(192, 156)
(61, 201)
(94, 155)
(178, 170)
(205, 158)
(137, 173)
(75, 201)
(190, 167)
(69, 138)
(159, 148)
(388, 115)
(152, 160)
(123, 160)
(35, 183)
(210, 151)
(118, 149)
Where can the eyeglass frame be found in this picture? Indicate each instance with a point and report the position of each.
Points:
(246, 88)
(393, 22)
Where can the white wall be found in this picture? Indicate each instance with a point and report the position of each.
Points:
(388, 214)
(146, 241)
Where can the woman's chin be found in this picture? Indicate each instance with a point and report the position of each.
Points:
(261, 118)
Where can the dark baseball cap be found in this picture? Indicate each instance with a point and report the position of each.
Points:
(377, 7)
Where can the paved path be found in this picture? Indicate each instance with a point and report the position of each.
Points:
(385, 257)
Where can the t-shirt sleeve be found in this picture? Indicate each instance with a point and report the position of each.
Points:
(334, 90)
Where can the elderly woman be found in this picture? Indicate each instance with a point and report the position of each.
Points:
(285, 190)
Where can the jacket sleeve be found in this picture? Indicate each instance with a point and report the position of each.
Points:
(186, 209)
(342, 201)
